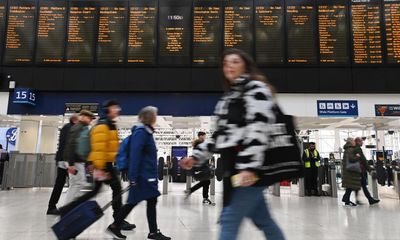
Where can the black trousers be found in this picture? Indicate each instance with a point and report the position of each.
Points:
(151, 213)
(311, 179)
(115, 184)
(62, 175)
(203, 184)
(364, 180)
(346, 196)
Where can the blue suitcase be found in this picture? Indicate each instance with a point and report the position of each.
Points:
(80, 218)
(77, 220)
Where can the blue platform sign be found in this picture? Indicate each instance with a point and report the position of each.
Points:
(11, 135)
(24, 96)
(337, 108)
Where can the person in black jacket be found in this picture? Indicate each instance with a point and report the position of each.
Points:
(202, 184)
(243, 116)
(62, 172)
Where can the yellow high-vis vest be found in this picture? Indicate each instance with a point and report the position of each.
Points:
(307, 164)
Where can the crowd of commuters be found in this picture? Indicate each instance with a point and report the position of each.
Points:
(243, 115)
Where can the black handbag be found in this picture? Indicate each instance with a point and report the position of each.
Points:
(282, 157)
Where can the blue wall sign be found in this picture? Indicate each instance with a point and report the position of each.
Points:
(387, 110)
(337, 108)
(24, 96)
(11, 136)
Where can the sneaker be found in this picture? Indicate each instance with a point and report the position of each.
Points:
(158, 236)
(115, 232)
(350, 204)
(374, 201)
(208, 201)
(53, 211)
(126, 226)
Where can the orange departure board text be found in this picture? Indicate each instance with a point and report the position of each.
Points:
(366, 29)
(207, 32)
(111, 38)
(392, 26)
(51, 31)
(332, 26)
(20, 33)
(300, 20)
(142, 32)
(238, 22)
(2, 24)
(82, 26)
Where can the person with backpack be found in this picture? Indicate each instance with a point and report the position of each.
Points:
(204, 183)
(142, 174)
(104, 143)
(76, 152)
(243, 115)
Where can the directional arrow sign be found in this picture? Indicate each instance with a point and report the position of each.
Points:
(337, 108)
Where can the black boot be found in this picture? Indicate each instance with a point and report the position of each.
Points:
(115, 232)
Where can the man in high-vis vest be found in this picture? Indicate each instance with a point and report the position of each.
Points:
(311, 161)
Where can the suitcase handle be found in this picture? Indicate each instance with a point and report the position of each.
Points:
(116, 199)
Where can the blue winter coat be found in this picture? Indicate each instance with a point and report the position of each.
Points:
(143, 165)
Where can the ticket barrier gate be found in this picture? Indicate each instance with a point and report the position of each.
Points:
(165, 181)
(396, 179)
(373, 184)
(331, 180)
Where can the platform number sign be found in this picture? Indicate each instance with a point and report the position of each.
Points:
(25, 96)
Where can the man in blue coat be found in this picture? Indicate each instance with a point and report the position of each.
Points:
(142, 174)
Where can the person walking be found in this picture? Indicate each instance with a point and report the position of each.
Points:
(364, 175)
(351, 180)
(142, 174)
(243, 115)
(311, 161)
(104, 143)
(202, 184)
(76, 153)
(62, 172)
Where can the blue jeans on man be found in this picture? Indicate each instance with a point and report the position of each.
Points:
(248, 202)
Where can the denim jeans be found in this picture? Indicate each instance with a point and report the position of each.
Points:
(248, 202)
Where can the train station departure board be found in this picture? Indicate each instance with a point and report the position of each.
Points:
(81, 34)
(20, 33)
(333, 31)
(392, 26)
(111, 37)
(269, 31)
(174, 32)
(207, 32)
(50, 35)
(301, 34)
(142, 32)
(238, 25)
(366, 29)
(2, 24)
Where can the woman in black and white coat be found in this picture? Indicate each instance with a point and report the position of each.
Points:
(243, 115)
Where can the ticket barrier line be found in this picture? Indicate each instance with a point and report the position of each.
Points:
(373, 185)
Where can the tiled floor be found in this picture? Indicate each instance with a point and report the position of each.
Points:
(22, 216)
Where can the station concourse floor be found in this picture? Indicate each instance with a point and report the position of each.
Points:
(22, 217)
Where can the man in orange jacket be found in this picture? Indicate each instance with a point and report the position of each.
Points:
(104, 144)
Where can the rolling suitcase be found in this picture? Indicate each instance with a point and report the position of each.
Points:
(80, 218)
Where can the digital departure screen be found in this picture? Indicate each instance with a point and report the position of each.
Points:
(111, 38)
(20, 31)
(392, 25)
(207, 32)
(2, 24)
(174, 32)
(238, 25)
(142, 31)
(51, 31)
(269, 31)
(81, 35)
(301, 37)
(366, 29)
(332, 26)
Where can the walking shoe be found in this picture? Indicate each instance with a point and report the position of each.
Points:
(126, 226)
(350, 204)
(53, 211)
(115, 232)
(208, 201)
(158, 236)
(374, 201)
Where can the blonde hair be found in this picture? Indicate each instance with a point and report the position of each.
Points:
(146, 114)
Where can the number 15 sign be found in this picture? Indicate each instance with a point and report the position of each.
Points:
(24, 96)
